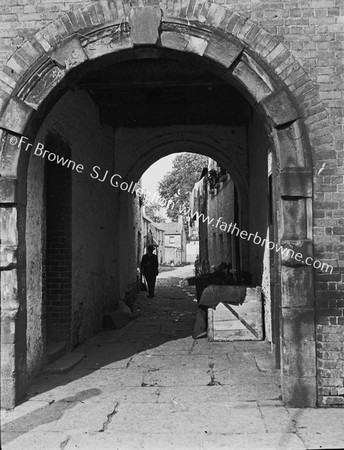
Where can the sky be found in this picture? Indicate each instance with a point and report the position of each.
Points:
(156, 172)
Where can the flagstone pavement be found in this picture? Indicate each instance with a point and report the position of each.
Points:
(151, 386)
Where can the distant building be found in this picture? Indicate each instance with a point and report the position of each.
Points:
(192, 244)
(153, 234)
(175, 242)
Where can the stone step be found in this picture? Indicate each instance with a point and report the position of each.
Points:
(65, 363)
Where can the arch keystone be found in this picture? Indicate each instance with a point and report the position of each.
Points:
(144, 23)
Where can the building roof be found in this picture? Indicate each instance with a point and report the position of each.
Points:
(159, 226)
(154, 224)
(172, 227)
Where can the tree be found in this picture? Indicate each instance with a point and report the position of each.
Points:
(179, 182)
(153, 212)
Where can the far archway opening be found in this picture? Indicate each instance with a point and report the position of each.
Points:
(203, 232)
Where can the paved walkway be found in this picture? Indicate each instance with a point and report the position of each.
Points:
(151, 386)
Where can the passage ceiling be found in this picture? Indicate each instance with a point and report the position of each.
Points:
(164, 91)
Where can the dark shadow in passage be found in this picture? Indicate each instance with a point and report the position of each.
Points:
(46, 414)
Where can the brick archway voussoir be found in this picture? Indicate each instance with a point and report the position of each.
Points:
(45, 41)
(219, 34)
(279, 108)
(225, 36)
(16, 115)
(231, 27)
(223, 48)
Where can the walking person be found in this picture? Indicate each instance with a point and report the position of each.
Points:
(149, 268)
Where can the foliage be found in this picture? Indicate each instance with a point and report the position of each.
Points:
(179, 182)
(153, 212)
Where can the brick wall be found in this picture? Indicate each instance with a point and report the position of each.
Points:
(58, 308)
(93, 217)
(330, 364)
(77, 285)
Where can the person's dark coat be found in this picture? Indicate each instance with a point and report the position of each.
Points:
(149, 265)
(149, 268)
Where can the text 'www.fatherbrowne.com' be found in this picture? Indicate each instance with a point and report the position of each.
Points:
(286, 252)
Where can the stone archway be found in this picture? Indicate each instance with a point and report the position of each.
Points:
(254, 61)
(159, 146)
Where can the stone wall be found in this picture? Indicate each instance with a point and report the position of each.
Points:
(35, 239)
(192, 251)
(259, 256)
(221, 206)
(81, 282)
(258, 194)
